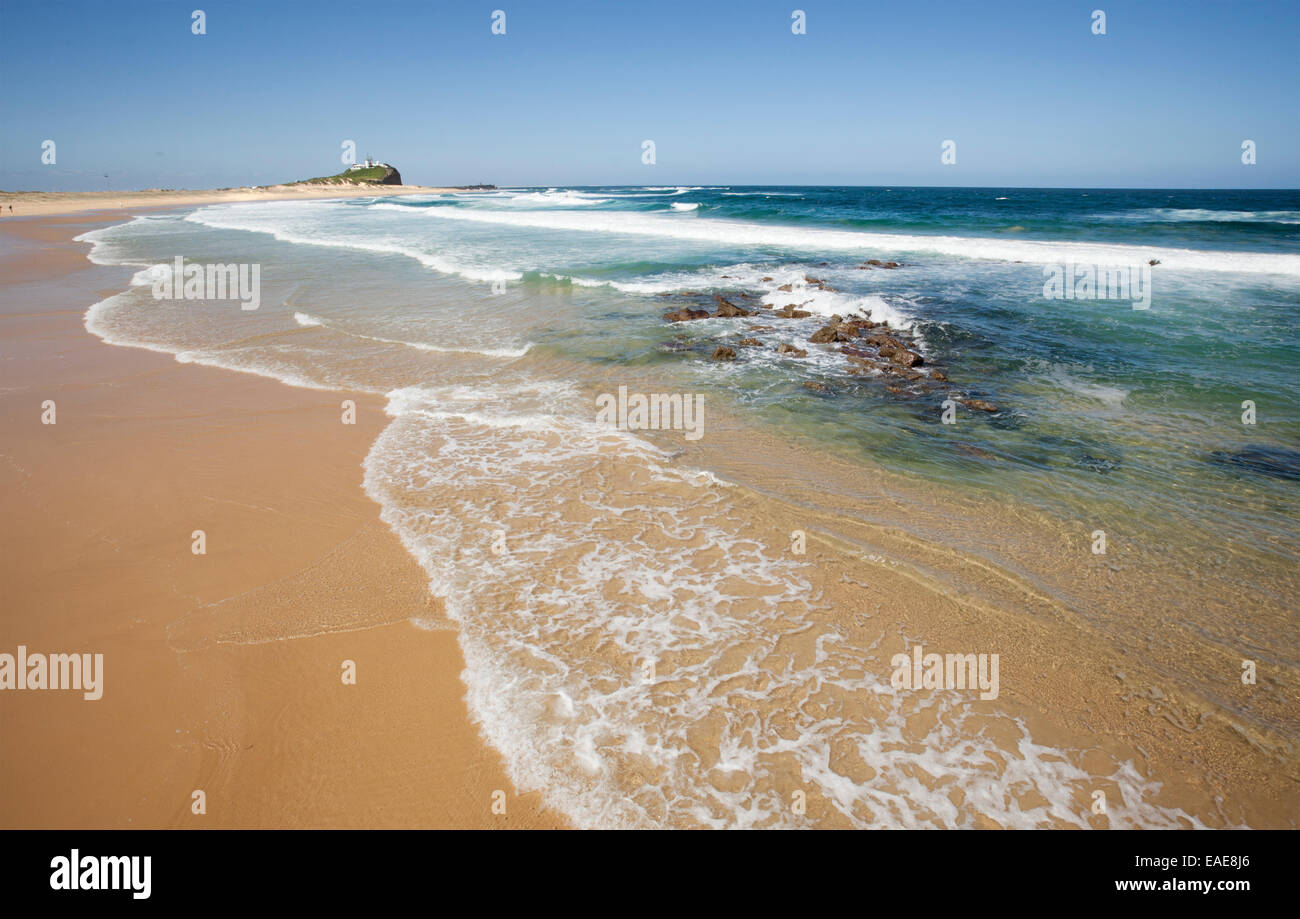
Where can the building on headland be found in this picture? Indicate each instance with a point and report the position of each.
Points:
(368, 164)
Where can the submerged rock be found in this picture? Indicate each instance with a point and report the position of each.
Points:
(686, 314)
(723, 353)
(815, 386)
(791, 350)
(750, 343)
(1277, 462)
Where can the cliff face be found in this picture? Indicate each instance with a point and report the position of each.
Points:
(391, 177)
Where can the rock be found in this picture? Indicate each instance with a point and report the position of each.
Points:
(723, 353)
(887, 345)
(786, 288)
(727, 309)
(938, 375)
(791, 350)
(686, 314)
(877, 263)
(972, 450)
(825, 334)
(790, 312)
(815, 386)
(763, 328)
(765, 280)
(750, 343)
(906, 358)
(980, 405)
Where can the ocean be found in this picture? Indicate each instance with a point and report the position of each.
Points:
(1100, 434)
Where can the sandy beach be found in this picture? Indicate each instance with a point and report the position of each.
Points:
(223, 670)
(47, 203)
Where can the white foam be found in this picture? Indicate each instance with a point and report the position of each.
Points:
(722, 232)
(224, 217)
(1202, 215)
(307, 320)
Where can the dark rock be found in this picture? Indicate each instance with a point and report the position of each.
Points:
(906, 358)
(825, 334)
(972, 450)
(727, 309)
(686, 314)
(980, 405)
(886, 344)
(1275, 461)
(723, 353)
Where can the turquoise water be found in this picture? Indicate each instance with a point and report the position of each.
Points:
(1098, 400)
(489, 320)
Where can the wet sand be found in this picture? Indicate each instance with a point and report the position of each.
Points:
(222, 671)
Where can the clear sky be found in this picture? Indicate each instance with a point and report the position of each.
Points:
(726, 91)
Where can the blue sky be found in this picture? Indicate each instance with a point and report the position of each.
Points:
(725, 90)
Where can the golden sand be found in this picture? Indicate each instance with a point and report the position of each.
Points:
(46, 203)
(223, 672)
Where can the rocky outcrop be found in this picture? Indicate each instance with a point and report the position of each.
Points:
(686, 314)
(729, 310)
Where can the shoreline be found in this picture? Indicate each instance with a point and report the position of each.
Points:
(58, 203)
(238, 640)
(222, 671)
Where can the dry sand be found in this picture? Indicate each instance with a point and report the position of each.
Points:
(222, 672)
(45, 203)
